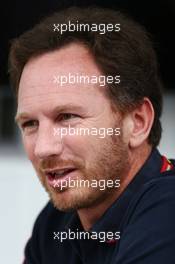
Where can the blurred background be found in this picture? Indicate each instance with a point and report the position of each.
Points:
(21, 195)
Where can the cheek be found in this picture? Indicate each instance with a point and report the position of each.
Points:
(82, 146)
(76, 144)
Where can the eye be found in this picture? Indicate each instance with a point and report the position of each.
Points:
(30, 124)
(67, 116)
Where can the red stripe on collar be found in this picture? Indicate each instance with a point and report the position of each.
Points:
(166, 165)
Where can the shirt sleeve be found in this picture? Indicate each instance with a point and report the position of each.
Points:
(149, 234)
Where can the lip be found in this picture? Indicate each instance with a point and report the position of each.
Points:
(46, 171)
(55, 181)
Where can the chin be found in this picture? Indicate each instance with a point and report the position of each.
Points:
(69, 200)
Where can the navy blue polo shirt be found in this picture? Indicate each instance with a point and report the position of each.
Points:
(144, 214)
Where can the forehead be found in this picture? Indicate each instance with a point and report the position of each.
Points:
(37, 79)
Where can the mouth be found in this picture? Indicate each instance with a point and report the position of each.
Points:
(58, 176)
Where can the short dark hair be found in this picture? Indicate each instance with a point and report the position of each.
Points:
(128, 53)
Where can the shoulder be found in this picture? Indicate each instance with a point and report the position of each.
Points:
(155, 198)
(41, 242)
(148, 230)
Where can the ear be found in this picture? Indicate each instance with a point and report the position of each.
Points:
(141, 121)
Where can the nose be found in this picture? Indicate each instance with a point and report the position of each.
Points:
(47, 143)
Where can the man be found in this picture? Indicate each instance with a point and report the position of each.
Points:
(77, 74)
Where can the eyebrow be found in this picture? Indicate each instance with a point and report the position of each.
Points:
(20, 116)
(68, 107)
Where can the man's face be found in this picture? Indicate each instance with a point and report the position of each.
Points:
(44, 106)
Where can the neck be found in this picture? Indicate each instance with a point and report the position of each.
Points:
(89, 216)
